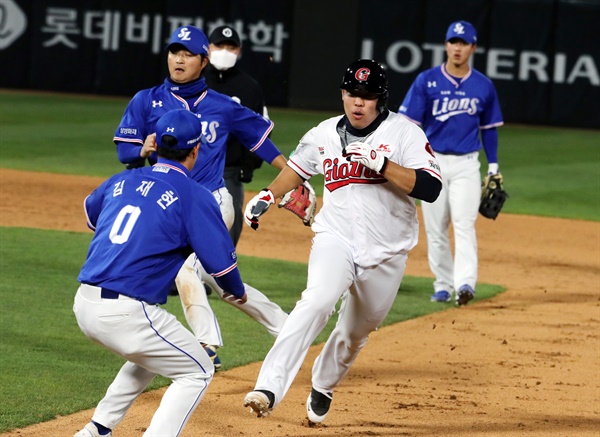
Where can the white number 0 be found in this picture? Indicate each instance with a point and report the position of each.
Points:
(133, 212)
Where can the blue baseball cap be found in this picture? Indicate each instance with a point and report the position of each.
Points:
(192, 38)
(182, 125)
(463, 30)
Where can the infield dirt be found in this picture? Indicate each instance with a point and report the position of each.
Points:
(524, 363)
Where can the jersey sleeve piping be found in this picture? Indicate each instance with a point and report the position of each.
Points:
(264, 137)
(303, 174)
(224, 272)
(437, 175)
(411, 119)
(128, 140)
(87, 216)
(490, 126)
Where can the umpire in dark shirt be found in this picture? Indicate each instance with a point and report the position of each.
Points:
(224, 76)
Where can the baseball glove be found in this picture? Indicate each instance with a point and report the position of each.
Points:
(492, 196)
(302, 201)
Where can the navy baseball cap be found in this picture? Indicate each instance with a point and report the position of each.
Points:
(224, 34)
(463, 30)
(181, 124)
(192, 38)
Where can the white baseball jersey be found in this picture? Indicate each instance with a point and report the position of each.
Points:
(350, 201)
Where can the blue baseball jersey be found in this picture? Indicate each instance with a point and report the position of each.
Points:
(452, 112)
(219, 115)
(146, 222)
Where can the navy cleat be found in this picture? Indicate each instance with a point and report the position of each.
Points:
(464, 295)
(211, 351)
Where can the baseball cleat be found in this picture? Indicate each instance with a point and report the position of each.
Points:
(211, 351)
(441, 296)
(317, 406)
(90, 430)
(464, 295)
(259, 402)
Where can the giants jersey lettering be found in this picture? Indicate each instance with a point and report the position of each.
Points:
(219, 116)
(339, 173)
(360, 206)
(451, 112)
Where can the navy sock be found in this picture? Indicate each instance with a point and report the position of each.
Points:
(270, 395)
(102, 430)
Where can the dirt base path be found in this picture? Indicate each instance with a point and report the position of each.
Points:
(525, 363)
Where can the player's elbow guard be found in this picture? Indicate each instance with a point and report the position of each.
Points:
(427, 188)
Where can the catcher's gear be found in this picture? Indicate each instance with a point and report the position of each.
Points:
(492, 196)
(364, 154)
(366, 76)
(302, 201)
(257, 207)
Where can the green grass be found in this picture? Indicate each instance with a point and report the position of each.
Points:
(50, 368)
(547, 171)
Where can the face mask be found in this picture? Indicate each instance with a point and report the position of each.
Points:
(222, 59)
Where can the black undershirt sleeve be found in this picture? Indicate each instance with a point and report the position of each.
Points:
(427, 187)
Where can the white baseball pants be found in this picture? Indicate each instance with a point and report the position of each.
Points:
(458, 203)
(199, 314)
(154, 343)
(367, 296)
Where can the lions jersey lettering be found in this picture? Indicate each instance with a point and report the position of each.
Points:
(468, 104)
(444, 109)
(219, 116)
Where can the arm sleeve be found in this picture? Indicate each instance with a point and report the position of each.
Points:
(211, 241)
(131, 132)
(252, 130)
(489, 138)
(128, 152)
(231, 283)
(427, 187)
(92, 205)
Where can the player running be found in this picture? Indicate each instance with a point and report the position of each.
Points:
(375, 163)
(220, 116)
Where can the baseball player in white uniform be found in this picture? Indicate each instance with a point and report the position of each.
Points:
(375, 163)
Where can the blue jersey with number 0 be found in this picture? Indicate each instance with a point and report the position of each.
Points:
(219, 115)
(452, 111)
(147, 221)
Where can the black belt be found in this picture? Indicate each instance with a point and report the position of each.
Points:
(105, 293)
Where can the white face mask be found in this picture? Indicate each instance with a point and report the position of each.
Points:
(222, 59)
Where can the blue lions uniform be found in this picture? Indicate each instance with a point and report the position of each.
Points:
(146, 222)
(139, 244)
(218, 114)
(459, 116)
(452, 112)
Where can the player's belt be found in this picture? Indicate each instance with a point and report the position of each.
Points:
(105, 293)
(95, 293)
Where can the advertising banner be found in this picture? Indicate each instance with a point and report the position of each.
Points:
(543, 56)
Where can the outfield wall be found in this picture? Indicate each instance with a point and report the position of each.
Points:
(542, 55)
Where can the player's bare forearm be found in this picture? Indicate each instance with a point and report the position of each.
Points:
(279, 163)
(402, 177)
(285, 181)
